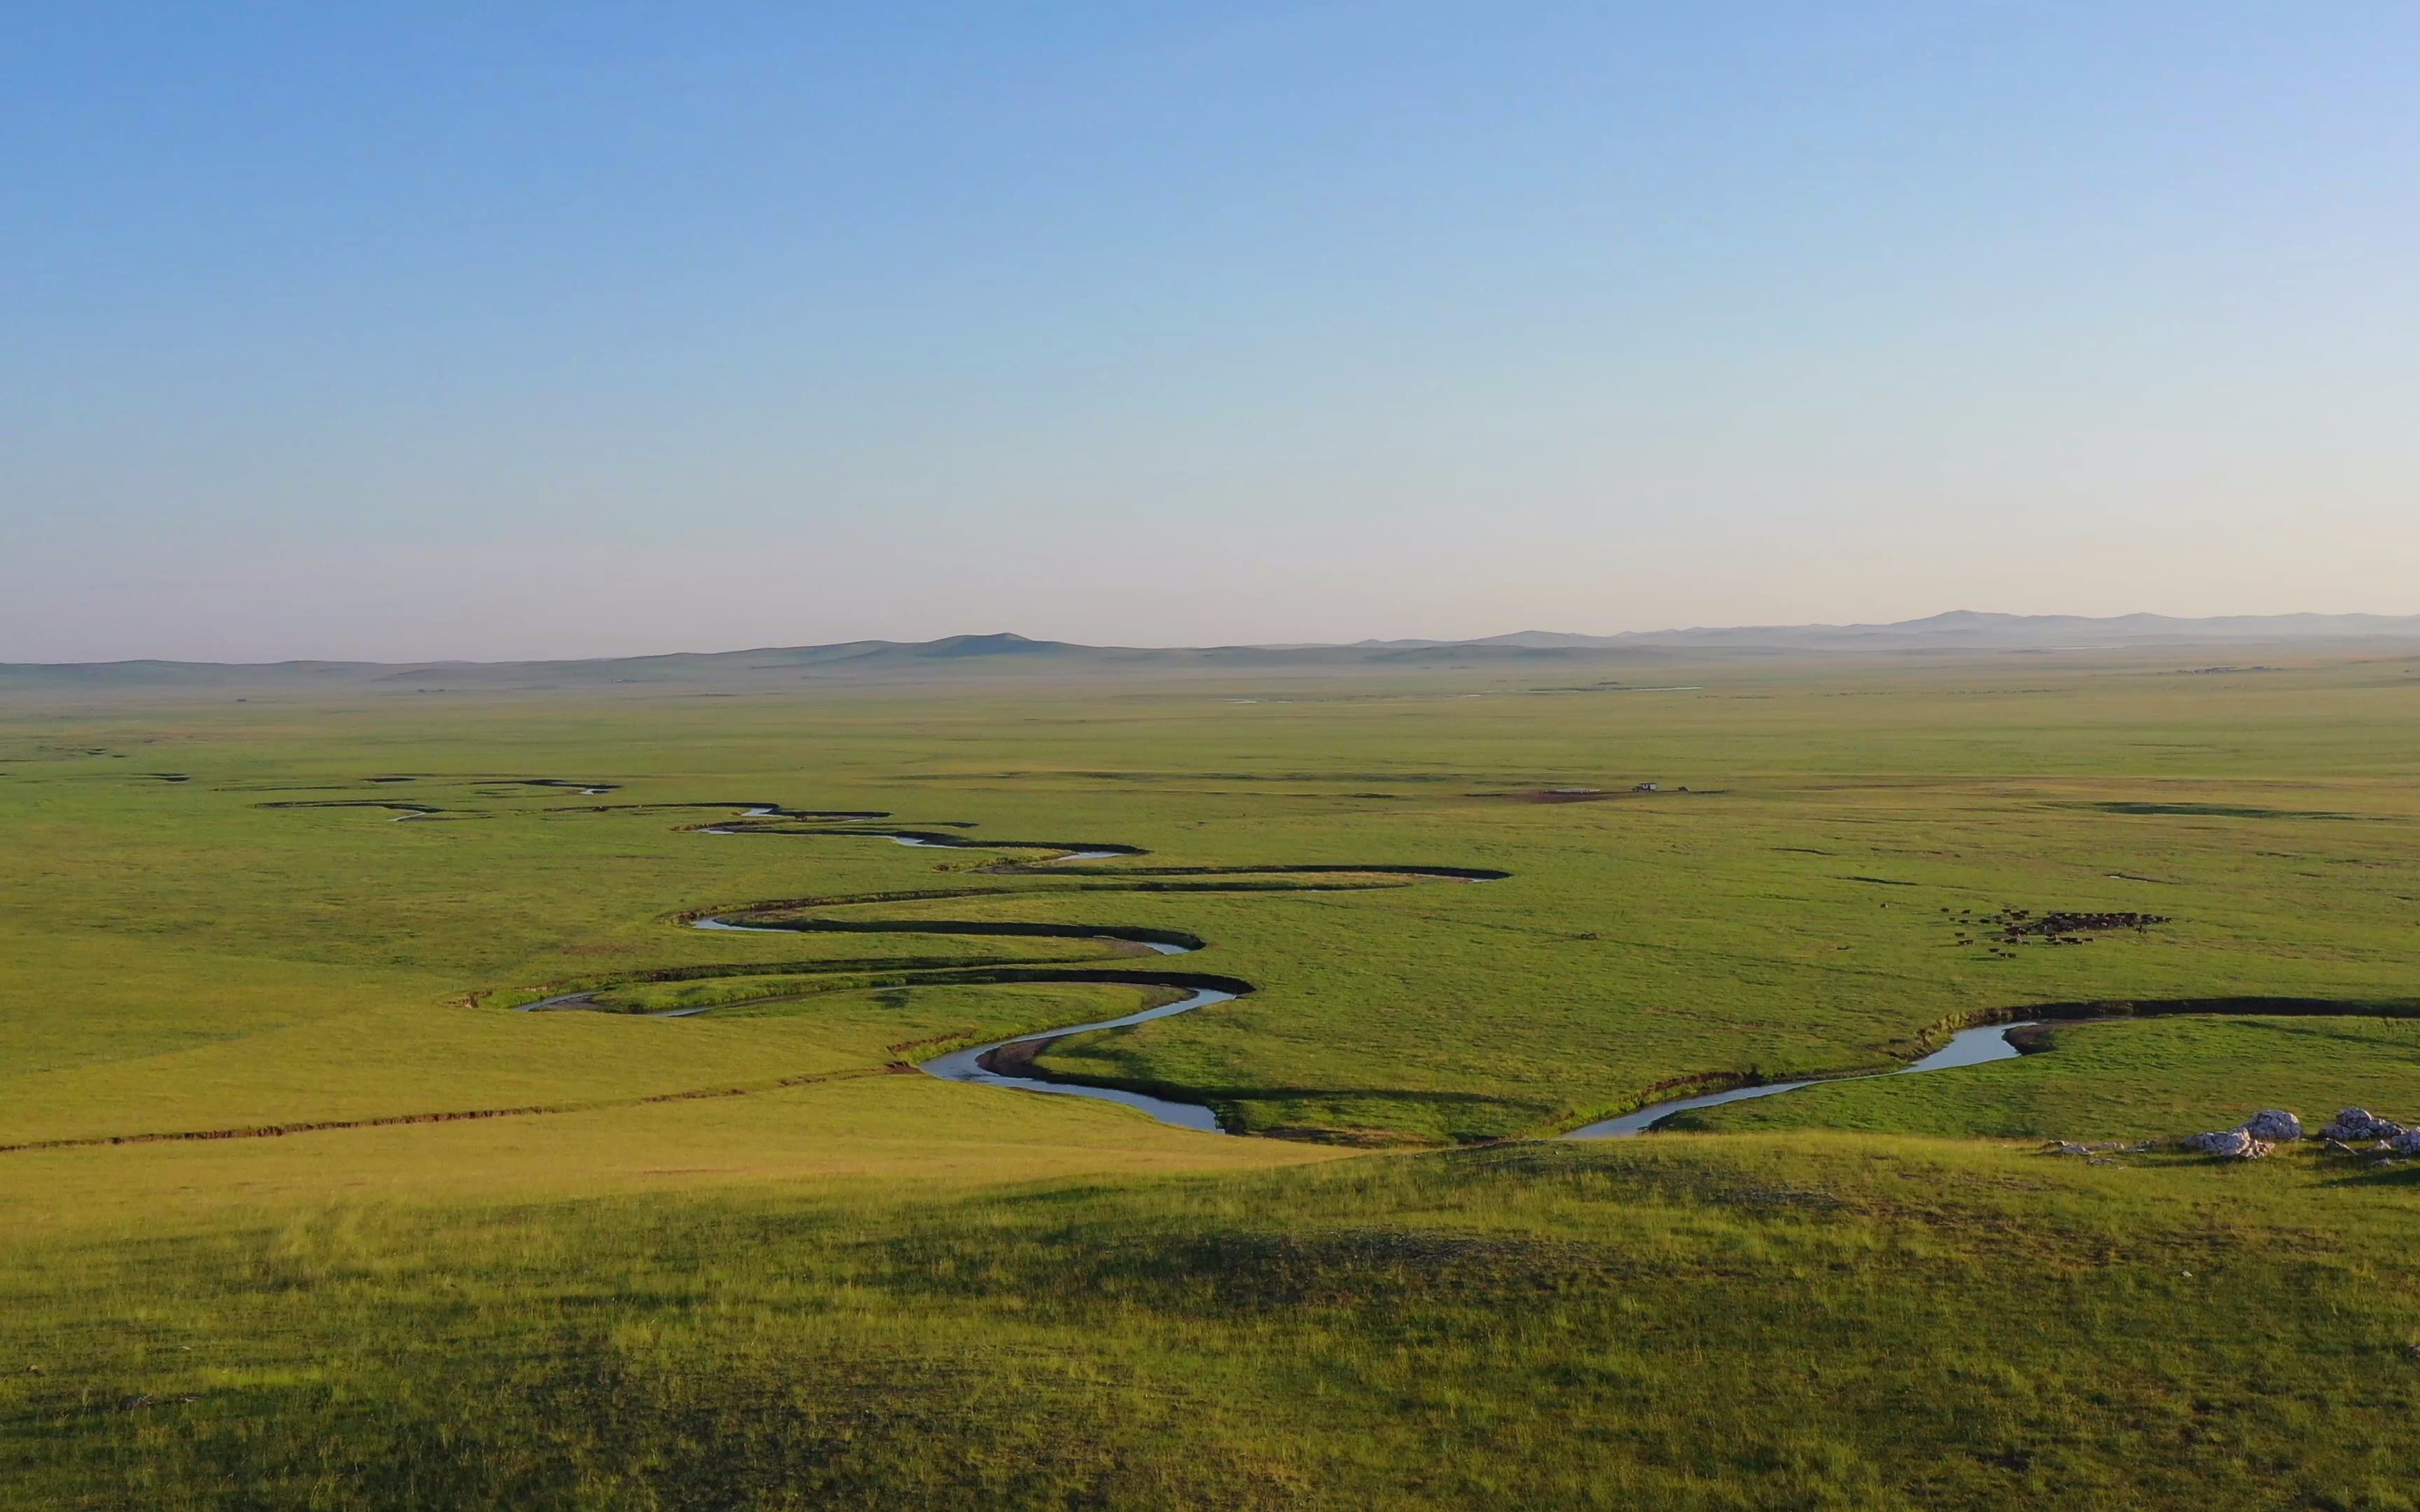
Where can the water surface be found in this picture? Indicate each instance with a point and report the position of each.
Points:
(1967, 1048)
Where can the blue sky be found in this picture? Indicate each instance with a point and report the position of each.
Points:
(554, 330)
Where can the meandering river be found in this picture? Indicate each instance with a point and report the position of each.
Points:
(1967, 1048)
(1010, 1063)
(975, 1065)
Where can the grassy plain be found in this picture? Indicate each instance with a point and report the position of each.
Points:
(1846, 1321)
(735, 1259)
(2129, 1079)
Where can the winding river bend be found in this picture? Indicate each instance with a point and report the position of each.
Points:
(1967, 1048)
(1010, 1063)
(977, 1065)
(984, 1065)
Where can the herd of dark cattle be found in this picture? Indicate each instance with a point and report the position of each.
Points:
(2012, 926)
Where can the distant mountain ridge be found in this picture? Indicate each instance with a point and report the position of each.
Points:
(1970, 627)
(1000, 653)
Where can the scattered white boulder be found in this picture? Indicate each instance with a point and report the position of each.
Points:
(2262, 1134)
(2251, 1139)
(2360, 1123)
(2232, 1144)
(2274, 1125)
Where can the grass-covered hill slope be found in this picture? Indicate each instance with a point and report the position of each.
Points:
(1846, 1321)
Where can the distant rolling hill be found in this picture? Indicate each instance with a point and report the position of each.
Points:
(1966, 628)
(1961, 631)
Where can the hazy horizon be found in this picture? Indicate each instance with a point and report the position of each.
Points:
(963, 634)
(604, 329)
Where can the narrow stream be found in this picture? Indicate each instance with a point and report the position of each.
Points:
(1967, 1048)
(967, 1065)
(977, 1063)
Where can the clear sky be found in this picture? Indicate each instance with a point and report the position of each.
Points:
(484, 330)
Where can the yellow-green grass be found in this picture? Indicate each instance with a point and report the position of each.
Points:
(2129, 1079)
(298, 962)
(444, 1058)
(908, 1134)
(740, 1260)
(1819, 1321)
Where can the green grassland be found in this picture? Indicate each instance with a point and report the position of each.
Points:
(2132, 1079)
(1851, 1321)
(607, 1259)
(1784, 918)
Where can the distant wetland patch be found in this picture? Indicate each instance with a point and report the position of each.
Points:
(2213, 810)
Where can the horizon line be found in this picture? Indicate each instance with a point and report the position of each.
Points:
(1580, 640)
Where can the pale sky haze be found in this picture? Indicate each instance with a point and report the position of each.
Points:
(554, 330)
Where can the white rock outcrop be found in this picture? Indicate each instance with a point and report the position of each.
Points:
(2233, 1144)
(2360, 1123)
(2274, 1125)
